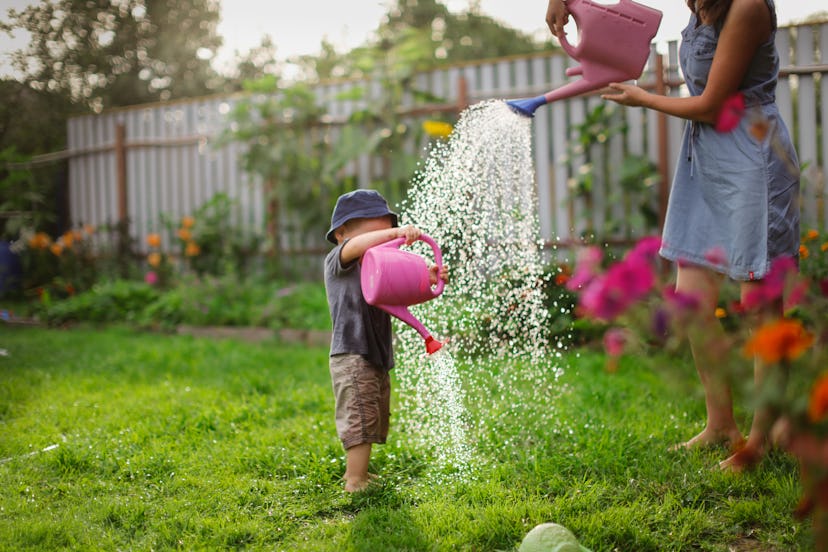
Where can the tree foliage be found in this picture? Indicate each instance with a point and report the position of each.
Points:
(108, 53)
(424, 34)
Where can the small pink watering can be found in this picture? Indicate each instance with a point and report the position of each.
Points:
(393, 280)
(614, 44)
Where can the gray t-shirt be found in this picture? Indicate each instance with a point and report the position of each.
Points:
(358, 328)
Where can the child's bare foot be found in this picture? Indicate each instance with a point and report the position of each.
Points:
(354, 485)
(709, 438)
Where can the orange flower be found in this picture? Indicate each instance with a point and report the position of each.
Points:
(68, 238)
(154, 259)
(811, 235)
(824, 247)
(818, 405)
(153, 240)
(187, 222)
(720, 312)
(759, 129)
(56, 249)
(41, 240)
(88, 229)
(784, 339)
(803, 252)
(192, 249)
(184, 234)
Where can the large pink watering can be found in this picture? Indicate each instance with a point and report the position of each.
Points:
(614, 44)
(393, 280)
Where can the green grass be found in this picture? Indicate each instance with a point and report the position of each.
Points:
(170, 442)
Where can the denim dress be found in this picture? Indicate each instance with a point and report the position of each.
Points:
(734, 202)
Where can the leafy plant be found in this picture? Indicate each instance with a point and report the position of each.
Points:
(22, 200)
(115, 301)
(639, 309)
(275, 124)
(636, 179)
(209, 242)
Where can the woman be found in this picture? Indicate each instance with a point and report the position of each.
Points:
(733, 192)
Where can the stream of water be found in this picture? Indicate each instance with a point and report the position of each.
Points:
(494, 384)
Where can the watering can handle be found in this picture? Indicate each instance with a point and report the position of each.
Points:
(438, 257)
(574, 9)
(569, 48)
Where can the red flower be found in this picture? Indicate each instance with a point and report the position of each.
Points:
(733, 109)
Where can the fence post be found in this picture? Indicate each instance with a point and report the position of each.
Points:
(462, 94)
(120, 172)
(663, 146)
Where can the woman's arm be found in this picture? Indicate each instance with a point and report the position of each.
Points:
(746, 27)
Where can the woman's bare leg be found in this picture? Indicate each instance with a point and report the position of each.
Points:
(709, 346)
(757, 442)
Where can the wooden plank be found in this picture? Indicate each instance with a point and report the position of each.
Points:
(806, 135)
(823, 184)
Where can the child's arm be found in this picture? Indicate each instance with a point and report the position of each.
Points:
(357, 245)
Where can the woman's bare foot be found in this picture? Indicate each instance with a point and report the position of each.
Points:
(747, 458)
(710, 438)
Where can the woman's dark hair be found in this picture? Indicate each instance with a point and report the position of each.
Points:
(712, 11)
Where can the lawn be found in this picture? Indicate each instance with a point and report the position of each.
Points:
(114, 439)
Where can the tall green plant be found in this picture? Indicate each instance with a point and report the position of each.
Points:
(23, 202)
(278, 125)
(637, 178)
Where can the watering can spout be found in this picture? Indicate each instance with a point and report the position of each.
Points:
(432, 345)
(613, 46)
(527, 106)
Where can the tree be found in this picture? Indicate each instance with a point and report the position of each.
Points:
(108, 53)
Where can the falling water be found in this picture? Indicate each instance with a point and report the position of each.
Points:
(495, 382)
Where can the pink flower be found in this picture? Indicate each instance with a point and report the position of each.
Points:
(646, 248)
(681, 300)
(151, 278)
(733, 109)
(772, 286)
(716, 256)
(586, 268)
(615, 340)
(607, 296)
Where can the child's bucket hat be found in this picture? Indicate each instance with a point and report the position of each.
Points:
(359, 204)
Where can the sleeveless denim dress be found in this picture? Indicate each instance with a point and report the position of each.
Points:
(733, 194)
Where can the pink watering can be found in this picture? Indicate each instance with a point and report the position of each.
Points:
(614, 44)
(393, 280)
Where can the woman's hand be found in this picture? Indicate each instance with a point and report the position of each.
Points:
(626, 94)
(556, 17)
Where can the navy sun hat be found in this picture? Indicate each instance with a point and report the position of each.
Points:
(359, 204)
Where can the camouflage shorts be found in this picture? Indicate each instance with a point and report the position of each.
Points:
(363, 396)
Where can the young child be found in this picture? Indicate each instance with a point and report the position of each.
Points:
(361, 351)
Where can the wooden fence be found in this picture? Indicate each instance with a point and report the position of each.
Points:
(135, 163)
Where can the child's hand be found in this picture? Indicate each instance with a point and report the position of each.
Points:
(410, 233)
(433, 274)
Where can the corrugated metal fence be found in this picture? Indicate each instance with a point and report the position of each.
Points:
(139, 162)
